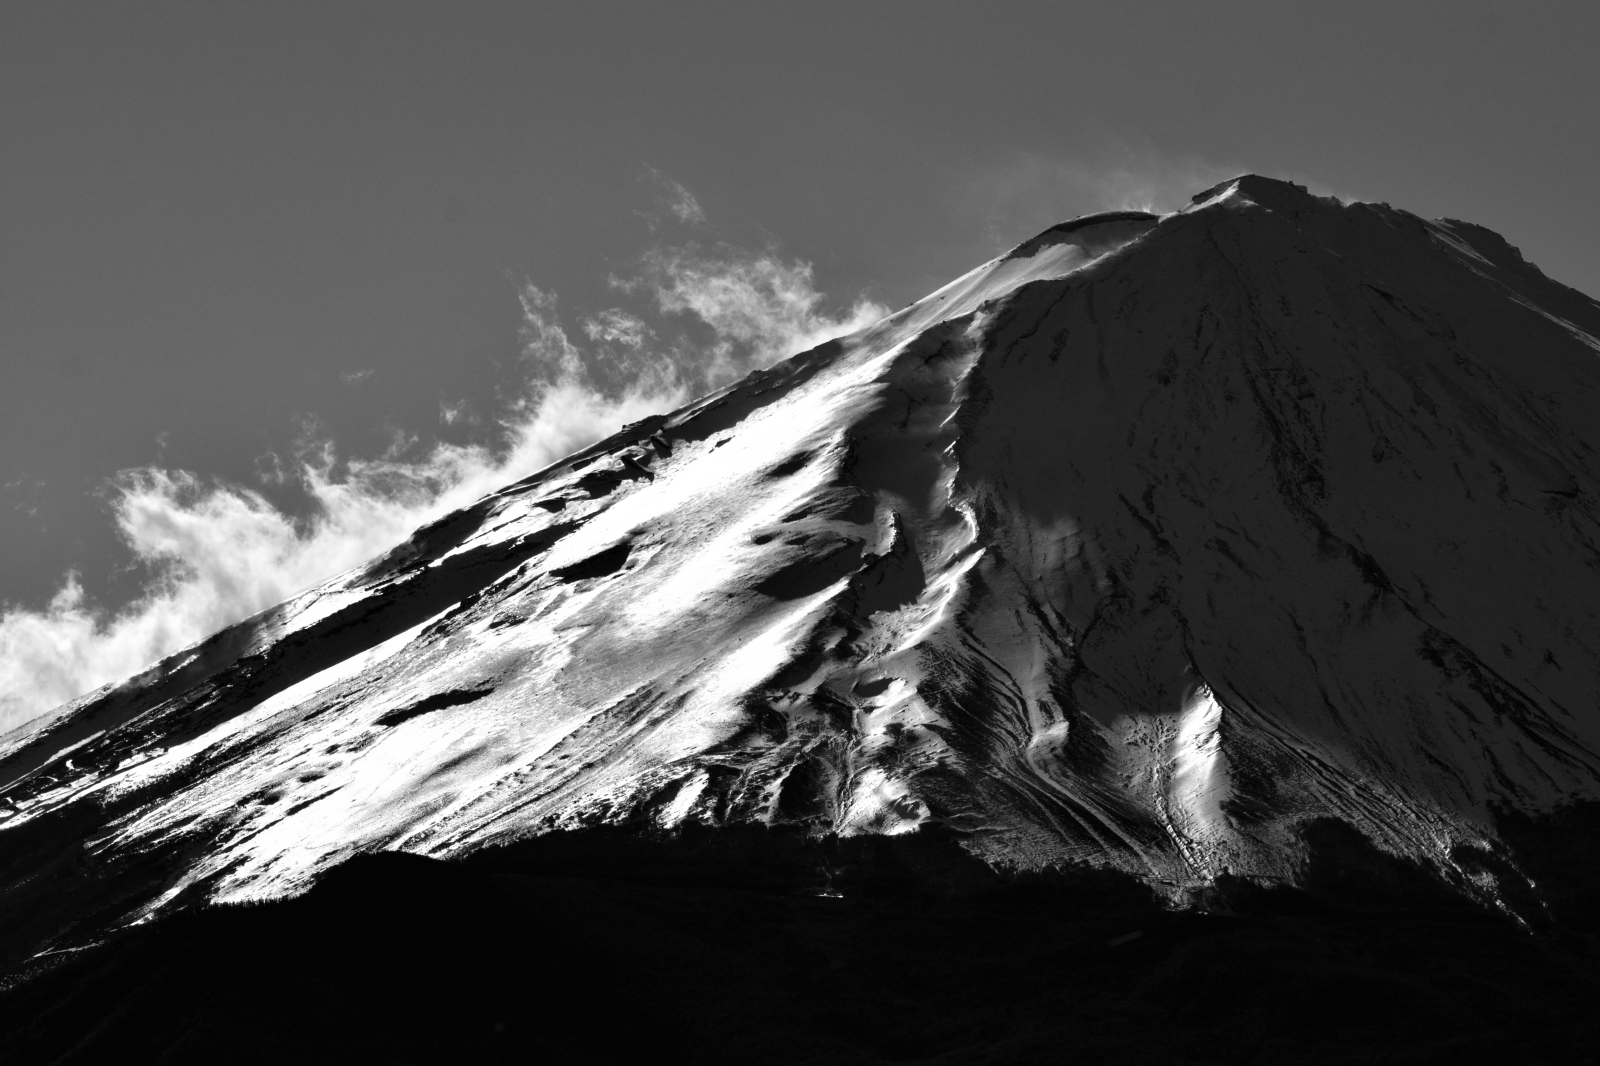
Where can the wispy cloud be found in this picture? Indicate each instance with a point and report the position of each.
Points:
(759, 307)
(1027, 192)
(222, 552)
(672, 198)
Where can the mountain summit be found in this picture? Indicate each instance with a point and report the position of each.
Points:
(1159, 544)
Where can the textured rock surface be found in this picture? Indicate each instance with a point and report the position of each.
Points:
(1147, 545)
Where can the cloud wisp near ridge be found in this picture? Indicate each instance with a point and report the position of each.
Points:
(221, 552)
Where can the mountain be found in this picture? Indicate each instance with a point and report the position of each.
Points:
(1249, 549)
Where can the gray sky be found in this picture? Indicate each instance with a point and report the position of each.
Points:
(229, 228)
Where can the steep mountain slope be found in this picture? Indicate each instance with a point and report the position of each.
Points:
(1149, 545)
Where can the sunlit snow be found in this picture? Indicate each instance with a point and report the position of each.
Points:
(1140, 546)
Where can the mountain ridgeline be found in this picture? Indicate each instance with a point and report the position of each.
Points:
(1193, 549)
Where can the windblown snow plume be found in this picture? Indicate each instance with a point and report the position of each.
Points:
(759, 307)
(223, 552)
(1027, 191)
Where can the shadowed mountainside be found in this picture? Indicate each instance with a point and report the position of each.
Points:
(1245, 554)
(761, 946)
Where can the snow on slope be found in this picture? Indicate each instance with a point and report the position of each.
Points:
(1139, 546)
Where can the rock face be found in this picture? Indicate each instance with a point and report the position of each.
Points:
(1146, 546)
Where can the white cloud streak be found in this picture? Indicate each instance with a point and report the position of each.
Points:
(223, 552)
(759, 307)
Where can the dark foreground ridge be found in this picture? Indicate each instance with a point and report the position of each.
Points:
(760, 946)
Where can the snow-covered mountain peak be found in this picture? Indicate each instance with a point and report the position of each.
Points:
(1145, 545)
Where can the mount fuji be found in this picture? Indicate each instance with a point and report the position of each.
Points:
(1196, 563)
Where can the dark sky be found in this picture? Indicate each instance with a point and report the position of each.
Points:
(210, 212)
